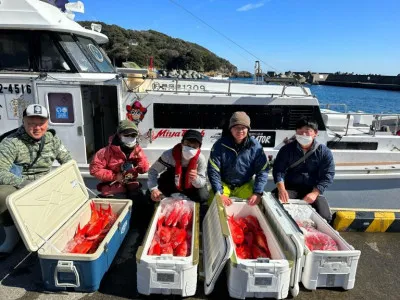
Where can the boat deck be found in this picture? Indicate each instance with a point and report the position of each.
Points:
(376, 276)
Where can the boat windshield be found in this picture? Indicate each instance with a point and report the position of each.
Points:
(86, 54)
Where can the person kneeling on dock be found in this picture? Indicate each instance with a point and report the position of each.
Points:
(118, 165)
(234, 160)
(303, 169)
(182, 170)
(26, 154)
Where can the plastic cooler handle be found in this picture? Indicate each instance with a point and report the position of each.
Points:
(66, 267)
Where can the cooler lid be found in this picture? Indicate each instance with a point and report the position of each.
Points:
(42, 207)
(288, 234)
(217, 246)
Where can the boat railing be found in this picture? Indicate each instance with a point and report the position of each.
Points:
(221, 88)
(377, 120)
(329, 105)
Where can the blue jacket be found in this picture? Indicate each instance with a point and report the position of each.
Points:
(317, 171)
(236, 168)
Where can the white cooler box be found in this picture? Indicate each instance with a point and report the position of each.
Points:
(47, 213)
(321, 268)
(258, 278)
(167, 274)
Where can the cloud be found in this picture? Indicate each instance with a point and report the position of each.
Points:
(251, 6)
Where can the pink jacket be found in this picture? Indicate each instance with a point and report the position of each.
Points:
(106, 163)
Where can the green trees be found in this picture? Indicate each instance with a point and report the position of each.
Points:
(168, 53)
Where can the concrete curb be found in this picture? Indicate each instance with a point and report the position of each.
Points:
(367, 221)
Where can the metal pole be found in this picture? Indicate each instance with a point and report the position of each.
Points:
(176, 86)
(397, 124)
(348, 123)
(229, 88)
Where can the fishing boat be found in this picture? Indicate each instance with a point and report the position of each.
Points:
(47, 58)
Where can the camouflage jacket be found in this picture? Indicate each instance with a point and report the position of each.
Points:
(18, 150)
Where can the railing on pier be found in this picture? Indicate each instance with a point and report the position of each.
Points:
(376, 124)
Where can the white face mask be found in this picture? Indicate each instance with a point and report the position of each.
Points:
(188, 152)
(304, 140)
(129, 142)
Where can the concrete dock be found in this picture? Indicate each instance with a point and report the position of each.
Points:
(377, 275)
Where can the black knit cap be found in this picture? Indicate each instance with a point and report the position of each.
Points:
(193, 135)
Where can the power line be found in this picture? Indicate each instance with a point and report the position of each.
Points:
(220, 33)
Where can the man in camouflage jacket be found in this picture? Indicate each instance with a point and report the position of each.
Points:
(17, 153)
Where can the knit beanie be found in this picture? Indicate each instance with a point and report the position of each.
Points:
(239, 118)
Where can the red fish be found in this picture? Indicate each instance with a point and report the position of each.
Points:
(236, 231)
(257, 252)
(182, 249)
(243, 224)
(252, 223)
(155, 248)
(243, 252)
(261, 241)
(178, 236)
(82, 247)
(249, 238)
(186, 218)
(166, 249)
(165, 234)
(160, 221)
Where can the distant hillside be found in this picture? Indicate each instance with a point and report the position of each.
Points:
(168, 53)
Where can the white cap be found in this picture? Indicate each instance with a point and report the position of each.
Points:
(36, 110)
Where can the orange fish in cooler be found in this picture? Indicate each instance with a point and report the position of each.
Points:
(186, 218)
(252, 223)
(82, 247)
(243, 224)
(155, 248)
(178, 236)
(165, 234)
(243, 252)
(166, 249)
(260, 240)
(236, 231)
(257, 252)
(182, 249)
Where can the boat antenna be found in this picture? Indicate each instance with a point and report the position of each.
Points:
(222, 34)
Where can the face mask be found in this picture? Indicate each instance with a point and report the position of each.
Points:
(188, 152)
(304, 140)
(128, 141)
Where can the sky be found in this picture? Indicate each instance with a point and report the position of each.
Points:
(360, 36)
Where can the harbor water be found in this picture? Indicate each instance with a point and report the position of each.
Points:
(356, 99)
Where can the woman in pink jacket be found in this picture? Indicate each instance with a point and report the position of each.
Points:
(117, 165)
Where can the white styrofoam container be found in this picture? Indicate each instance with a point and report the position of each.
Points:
(259, 278)
(167, 274)
(321, 268)
(47, 213)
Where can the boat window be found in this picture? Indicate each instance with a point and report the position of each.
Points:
(97, 54)
(76, 54)
(61, 108)
(50, 57)
(201, 116)
(14, 51)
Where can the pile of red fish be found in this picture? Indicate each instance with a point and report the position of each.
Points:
(249, 238)
(317, 240)
(87, 239)
(173, 234)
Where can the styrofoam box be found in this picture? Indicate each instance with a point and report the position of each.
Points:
(259, 278)
(321, 268)
(47, 213)
(168, 274)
